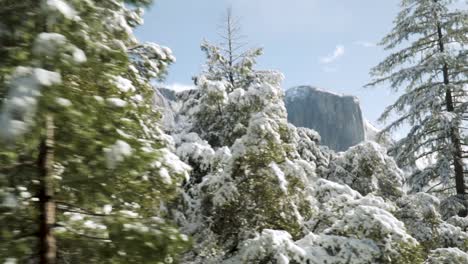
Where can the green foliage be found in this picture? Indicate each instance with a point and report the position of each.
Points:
(264, 187)
(408, 255)
(236, 69)
(447, 255)
(367, 169)
(229, 72)
(112, 171)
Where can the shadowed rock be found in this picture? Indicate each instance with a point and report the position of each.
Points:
(337, 118)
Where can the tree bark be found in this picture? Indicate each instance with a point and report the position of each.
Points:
(47, 241)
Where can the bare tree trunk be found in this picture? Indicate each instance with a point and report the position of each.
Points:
(230, 46)
(47, 242)
(457, 152)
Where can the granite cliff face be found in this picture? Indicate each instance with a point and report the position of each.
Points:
(337, 118)
(162, 101)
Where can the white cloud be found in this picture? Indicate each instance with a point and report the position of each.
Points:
(365, 44)
(180, 87)
(339, 52)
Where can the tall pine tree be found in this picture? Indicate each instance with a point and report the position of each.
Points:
(231, 66)
(431, 73)
(229, 60)
(84, 169)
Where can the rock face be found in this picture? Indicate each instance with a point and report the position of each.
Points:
(162, 101)
(169, 94)
(337, 118)
(168, 102)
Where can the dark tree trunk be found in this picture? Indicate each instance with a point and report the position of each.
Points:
(457, 152)
(47, 242)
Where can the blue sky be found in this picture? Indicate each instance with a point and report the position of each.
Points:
(324, 43)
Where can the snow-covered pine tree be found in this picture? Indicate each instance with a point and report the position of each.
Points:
(229, 60)
(229, 67)
(84, 171)
(431, 72)
(247, 175)
(259, 182)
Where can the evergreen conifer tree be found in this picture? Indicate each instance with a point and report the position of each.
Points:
(431, 73)
(84, 170)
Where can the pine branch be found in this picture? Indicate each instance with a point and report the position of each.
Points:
(81, 234)
(77, 209)
(15, 165)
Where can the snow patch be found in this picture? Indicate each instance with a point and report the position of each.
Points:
(116, 102)
(107, 209)
(63, 102)
(47, 44)
(370, 130)
(123, 84)
(20, 106)
(54, 44)
(61, 7)
(164, 174)
(280, 175)
(178, 87)
(117, 153)
(79, 56)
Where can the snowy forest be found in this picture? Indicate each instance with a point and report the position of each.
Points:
(99, 163)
